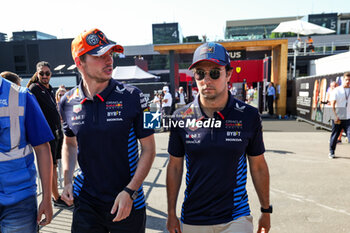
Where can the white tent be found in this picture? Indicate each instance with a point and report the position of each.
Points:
(301, 27)
(132, 74)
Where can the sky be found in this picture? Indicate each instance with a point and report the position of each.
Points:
(129, 22)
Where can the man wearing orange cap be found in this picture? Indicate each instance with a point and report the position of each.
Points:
(104, 119)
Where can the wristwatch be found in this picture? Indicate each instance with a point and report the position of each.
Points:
(133, 193)
(268, 210)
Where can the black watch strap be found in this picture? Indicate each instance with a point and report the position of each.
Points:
(133, 193)
(268, 210)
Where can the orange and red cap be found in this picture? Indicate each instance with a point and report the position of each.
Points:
(93, 42)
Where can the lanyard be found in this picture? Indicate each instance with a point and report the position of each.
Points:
(347, 94)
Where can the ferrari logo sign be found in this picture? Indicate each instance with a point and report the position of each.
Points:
(238, 70)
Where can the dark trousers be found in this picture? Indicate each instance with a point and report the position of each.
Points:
(270, 104)
(336, 129)
(88, 218)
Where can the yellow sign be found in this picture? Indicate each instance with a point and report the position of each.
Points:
(238, 70)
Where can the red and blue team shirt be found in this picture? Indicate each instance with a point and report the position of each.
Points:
(107, 128)
(216, 160)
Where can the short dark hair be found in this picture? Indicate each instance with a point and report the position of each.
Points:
(83, 57)
(228, 67)
(347, 74)
(43, 63)
(12, 77)
(35, 78)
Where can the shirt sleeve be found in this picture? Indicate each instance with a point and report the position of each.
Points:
(175, 145)
(66, 129)
(37, 128)
(142, 106)
(256, 143)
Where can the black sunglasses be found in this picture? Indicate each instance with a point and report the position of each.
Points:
(42, 73)
(200, 74)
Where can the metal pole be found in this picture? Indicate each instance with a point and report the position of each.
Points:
(294, 63)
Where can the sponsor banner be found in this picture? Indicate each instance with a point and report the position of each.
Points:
(312, 98)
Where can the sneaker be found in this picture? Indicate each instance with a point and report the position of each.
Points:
(59, 203)
(338, 141)
(331, 155)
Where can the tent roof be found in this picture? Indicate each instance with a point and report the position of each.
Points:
(131, 73)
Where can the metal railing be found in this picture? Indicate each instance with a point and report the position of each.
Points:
(321, 48)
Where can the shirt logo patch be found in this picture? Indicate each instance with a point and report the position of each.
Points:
(114, 113)
(114, 105)
(151, 120)
(233, 124)
(78, 118)
(240, 108)
(73, 96)
(77, 108)
(118, 90)
(3, 102)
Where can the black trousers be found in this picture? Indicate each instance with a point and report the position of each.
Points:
(270, 104)
(336, 129)
(91, 219)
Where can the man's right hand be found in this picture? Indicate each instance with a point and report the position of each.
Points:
(173, 224)
(67, 194)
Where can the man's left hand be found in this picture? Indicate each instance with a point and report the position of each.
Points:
(264, 224)
(122, 205)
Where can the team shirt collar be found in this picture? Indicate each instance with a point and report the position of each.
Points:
(199, 114)
(101, 96)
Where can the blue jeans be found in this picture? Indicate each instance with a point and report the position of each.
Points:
(20, 217)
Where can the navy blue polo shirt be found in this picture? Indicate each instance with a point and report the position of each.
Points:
(215, 151)
(107, 128)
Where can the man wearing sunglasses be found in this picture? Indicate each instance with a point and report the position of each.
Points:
(40, 86)
(103, 123)
(216, 134)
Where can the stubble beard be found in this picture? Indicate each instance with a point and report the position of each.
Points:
(97, 78)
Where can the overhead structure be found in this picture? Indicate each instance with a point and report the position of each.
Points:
(279, 52)
(300, 27)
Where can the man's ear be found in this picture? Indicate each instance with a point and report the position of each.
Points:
(77, 61)
(228, 74)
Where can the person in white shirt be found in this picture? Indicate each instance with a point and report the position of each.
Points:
(181, 97)
(340, 102)
(167, 100)
(157, 101)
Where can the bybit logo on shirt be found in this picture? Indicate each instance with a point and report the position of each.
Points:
(233, 133)
(114, 113)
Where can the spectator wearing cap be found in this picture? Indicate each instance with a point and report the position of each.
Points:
(167, 102)
(104, 119)
(216, 155)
